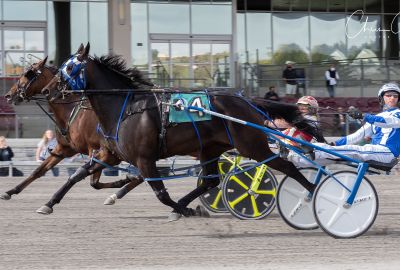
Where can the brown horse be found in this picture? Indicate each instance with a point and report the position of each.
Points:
(76, 129)
(137, 135)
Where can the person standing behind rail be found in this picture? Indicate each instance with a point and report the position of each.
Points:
(290, 78)
(331, 76)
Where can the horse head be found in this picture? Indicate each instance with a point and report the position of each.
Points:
(31, 82)
(57, 87)
(82, 72)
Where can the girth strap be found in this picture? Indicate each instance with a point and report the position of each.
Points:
(162, 144)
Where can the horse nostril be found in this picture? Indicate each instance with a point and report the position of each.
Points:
(46, 92)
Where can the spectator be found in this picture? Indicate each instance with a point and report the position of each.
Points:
(331, 76)
(45, 146)
(271, 94)
(6, 154)
(290, 78)
(301, 82)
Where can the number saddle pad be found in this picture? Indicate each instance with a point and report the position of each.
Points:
(192, 99)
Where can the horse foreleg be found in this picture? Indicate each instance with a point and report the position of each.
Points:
(45, 166)
(79, 175)
(133, 182)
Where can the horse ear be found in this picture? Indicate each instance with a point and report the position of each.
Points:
(85, 52)
(80, 49)
(42, 62)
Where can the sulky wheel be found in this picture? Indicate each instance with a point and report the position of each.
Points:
(294, 202)
(212, 199)
(250, 195)
(335, 216)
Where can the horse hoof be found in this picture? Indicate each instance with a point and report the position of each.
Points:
(202, 212)
(45, 210)
(174, 216)
(110, 200)
(5, 196)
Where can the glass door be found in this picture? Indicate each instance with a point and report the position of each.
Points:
(186, 63)
(211, 62)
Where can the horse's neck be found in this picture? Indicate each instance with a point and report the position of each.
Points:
(62, 109)
(108, 109)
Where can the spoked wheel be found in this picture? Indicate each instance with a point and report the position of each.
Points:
(337, 218)
(212, 199)
(294, 203)
(250, 195)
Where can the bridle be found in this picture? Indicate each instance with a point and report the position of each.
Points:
(31, 74)
(70, 76)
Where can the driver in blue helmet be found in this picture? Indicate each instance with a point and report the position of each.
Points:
(383, 129)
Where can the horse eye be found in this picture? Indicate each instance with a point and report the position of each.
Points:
(30, 74)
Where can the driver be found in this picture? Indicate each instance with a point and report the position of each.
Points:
(308, 106)
(383, 128)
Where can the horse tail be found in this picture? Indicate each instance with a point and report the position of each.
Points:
(310, 127)
(291, 114)
(276, 110)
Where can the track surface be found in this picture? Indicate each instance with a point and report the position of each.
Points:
(82, 233)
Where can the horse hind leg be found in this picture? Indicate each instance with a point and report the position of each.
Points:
(134, 182)
(290, 170)
(207, 184)
(149, 169)
(254, 151)
(45, 166)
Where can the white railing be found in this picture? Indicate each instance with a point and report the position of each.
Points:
(178, 163)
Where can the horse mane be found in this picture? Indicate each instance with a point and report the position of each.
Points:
(291, 114)
(118, 64)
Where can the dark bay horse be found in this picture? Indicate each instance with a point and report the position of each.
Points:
(135, 137)
(76, 129)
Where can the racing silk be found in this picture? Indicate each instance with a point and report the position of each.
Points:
(383, 128)
(295, 133)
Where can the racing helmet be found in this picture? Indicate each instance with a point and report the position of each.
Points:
(311, 102)
(386, 88)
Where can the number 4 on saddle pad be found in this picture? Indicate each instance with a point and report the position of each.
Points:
(193, 99)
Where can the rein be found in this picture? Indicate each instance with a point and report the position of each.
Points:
(61, 130)
(124, 91)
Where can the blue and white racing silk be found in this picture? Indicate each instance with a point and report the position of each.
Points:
(384, 130)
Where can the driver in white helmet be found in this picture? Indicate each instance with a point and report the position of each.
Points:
(383, 128)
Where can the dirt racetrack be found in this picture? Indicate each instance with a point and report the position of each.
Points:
(82, 233)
